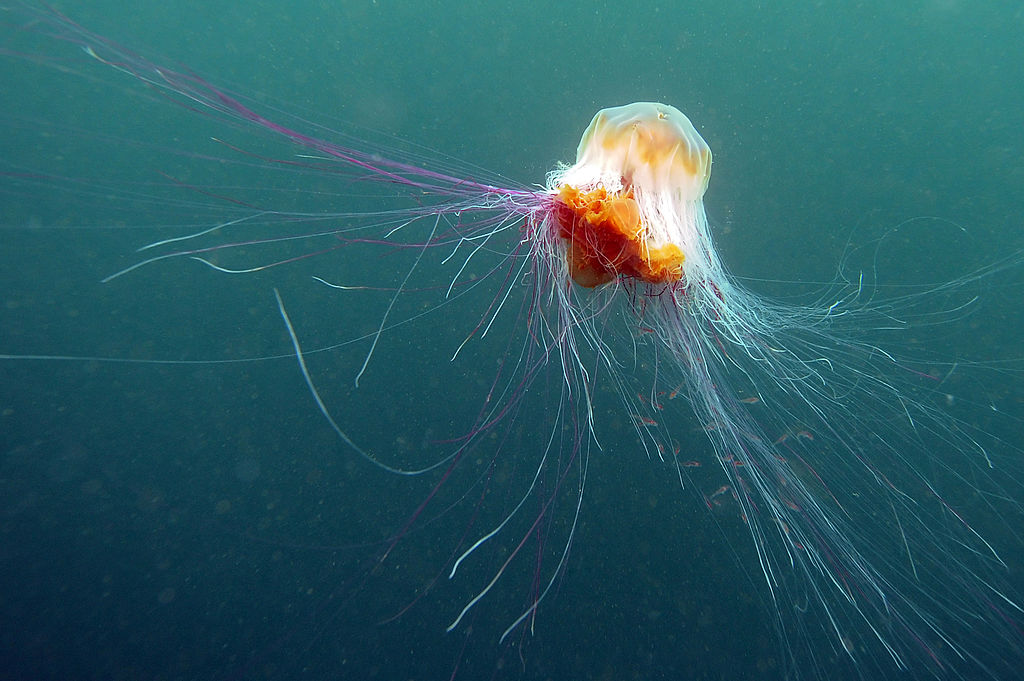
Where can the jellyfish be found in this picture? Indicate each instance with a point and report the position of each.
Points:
(824, 442)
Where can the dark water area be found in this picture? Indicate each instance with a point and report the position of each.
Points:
(185, 512)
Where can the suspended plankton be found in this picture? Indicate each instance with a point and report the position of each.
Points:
(822, 441)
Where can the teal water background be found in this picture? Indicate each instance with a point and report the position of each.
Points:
(201, 521)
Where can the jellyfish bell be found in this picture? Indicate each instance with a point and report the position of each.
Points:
(632, 204)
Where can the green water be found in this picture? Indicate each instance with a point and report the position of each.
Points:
(165, 521)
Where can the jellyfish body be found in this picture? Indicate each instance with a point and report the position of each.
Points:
(632, 204)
